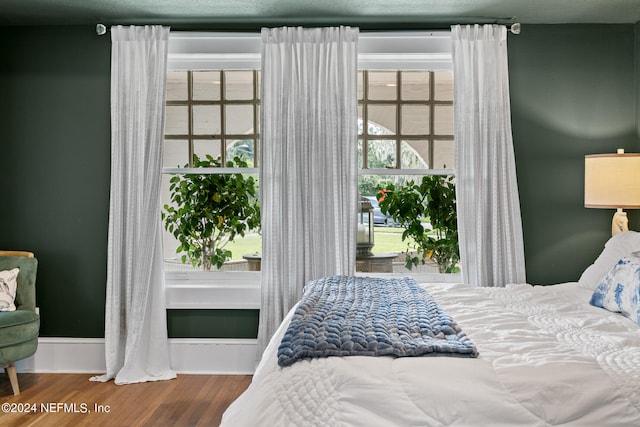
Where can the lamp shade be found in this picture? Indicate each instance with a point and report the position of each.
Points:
(612, 181)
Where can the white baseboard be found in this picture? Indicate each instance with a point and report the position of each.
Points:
(213, 356)
(188, 356)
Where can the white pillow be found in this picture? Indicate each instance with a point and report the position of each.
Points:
(616, 248)
(8, 284)
(618, 290)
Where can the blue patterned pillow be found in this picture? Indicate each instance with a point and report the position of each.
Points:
(619, 290)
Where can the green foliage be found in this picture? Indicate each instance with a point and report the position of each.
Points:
(434, 197)
(208, 211)
(243, 149)
(368, 185)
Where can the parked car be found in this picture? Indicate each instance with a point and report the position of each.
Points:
(378, 217)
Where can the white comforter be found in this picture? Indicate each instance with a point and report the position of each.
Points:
(546, 358)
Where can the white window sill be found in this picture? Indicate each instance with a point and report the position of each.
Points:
(219, 290)
(240, 290)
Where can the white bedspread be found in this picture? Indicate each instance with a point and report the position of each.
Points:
(546, 358)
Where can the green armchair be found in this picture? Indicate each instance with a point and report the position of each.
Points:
(19, 329)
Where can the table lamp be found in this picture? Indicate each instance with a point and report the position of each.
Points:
(612, 181)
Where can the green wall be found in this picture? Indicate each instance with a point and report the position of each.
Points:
(55, 155)
(213, 323)
(574, 92)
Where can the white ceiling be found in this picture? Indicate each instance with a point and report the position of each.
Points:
(246, 13)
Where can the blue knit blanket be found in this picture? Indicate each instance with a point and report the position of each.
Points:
(364, 316)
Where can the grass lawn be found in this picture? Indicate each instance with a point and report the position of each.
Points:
(386, 239)
(249, 244)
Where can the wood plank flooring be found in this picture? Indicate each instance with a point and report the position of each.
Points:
(73, 400)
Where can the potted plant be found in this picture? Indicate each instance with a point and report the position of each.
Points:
(207, 211)
(410, 204)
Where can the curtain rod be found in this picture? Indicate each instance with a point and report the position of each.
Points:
(515, 28)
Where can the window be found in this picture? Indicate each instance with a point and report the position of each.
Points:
(405, 98)
(212, 114)
(409, 116)
(408, 134)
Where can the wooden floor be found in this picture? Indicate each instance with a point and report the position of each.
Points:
(73, 400)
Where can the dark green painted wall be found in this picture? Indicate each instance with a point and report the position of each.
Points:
(55, 155)
(637, 56)
(574, 92)
(213, 323)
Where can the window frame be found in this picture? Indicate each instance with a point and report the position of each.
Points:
(398, 137)
(223, 136)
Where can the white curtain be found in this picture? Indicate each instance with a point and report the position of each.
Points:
(136, 346)
(308, 175)
(489, 222)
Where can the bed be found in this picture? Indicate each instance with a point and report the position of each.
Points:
(546, 355)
